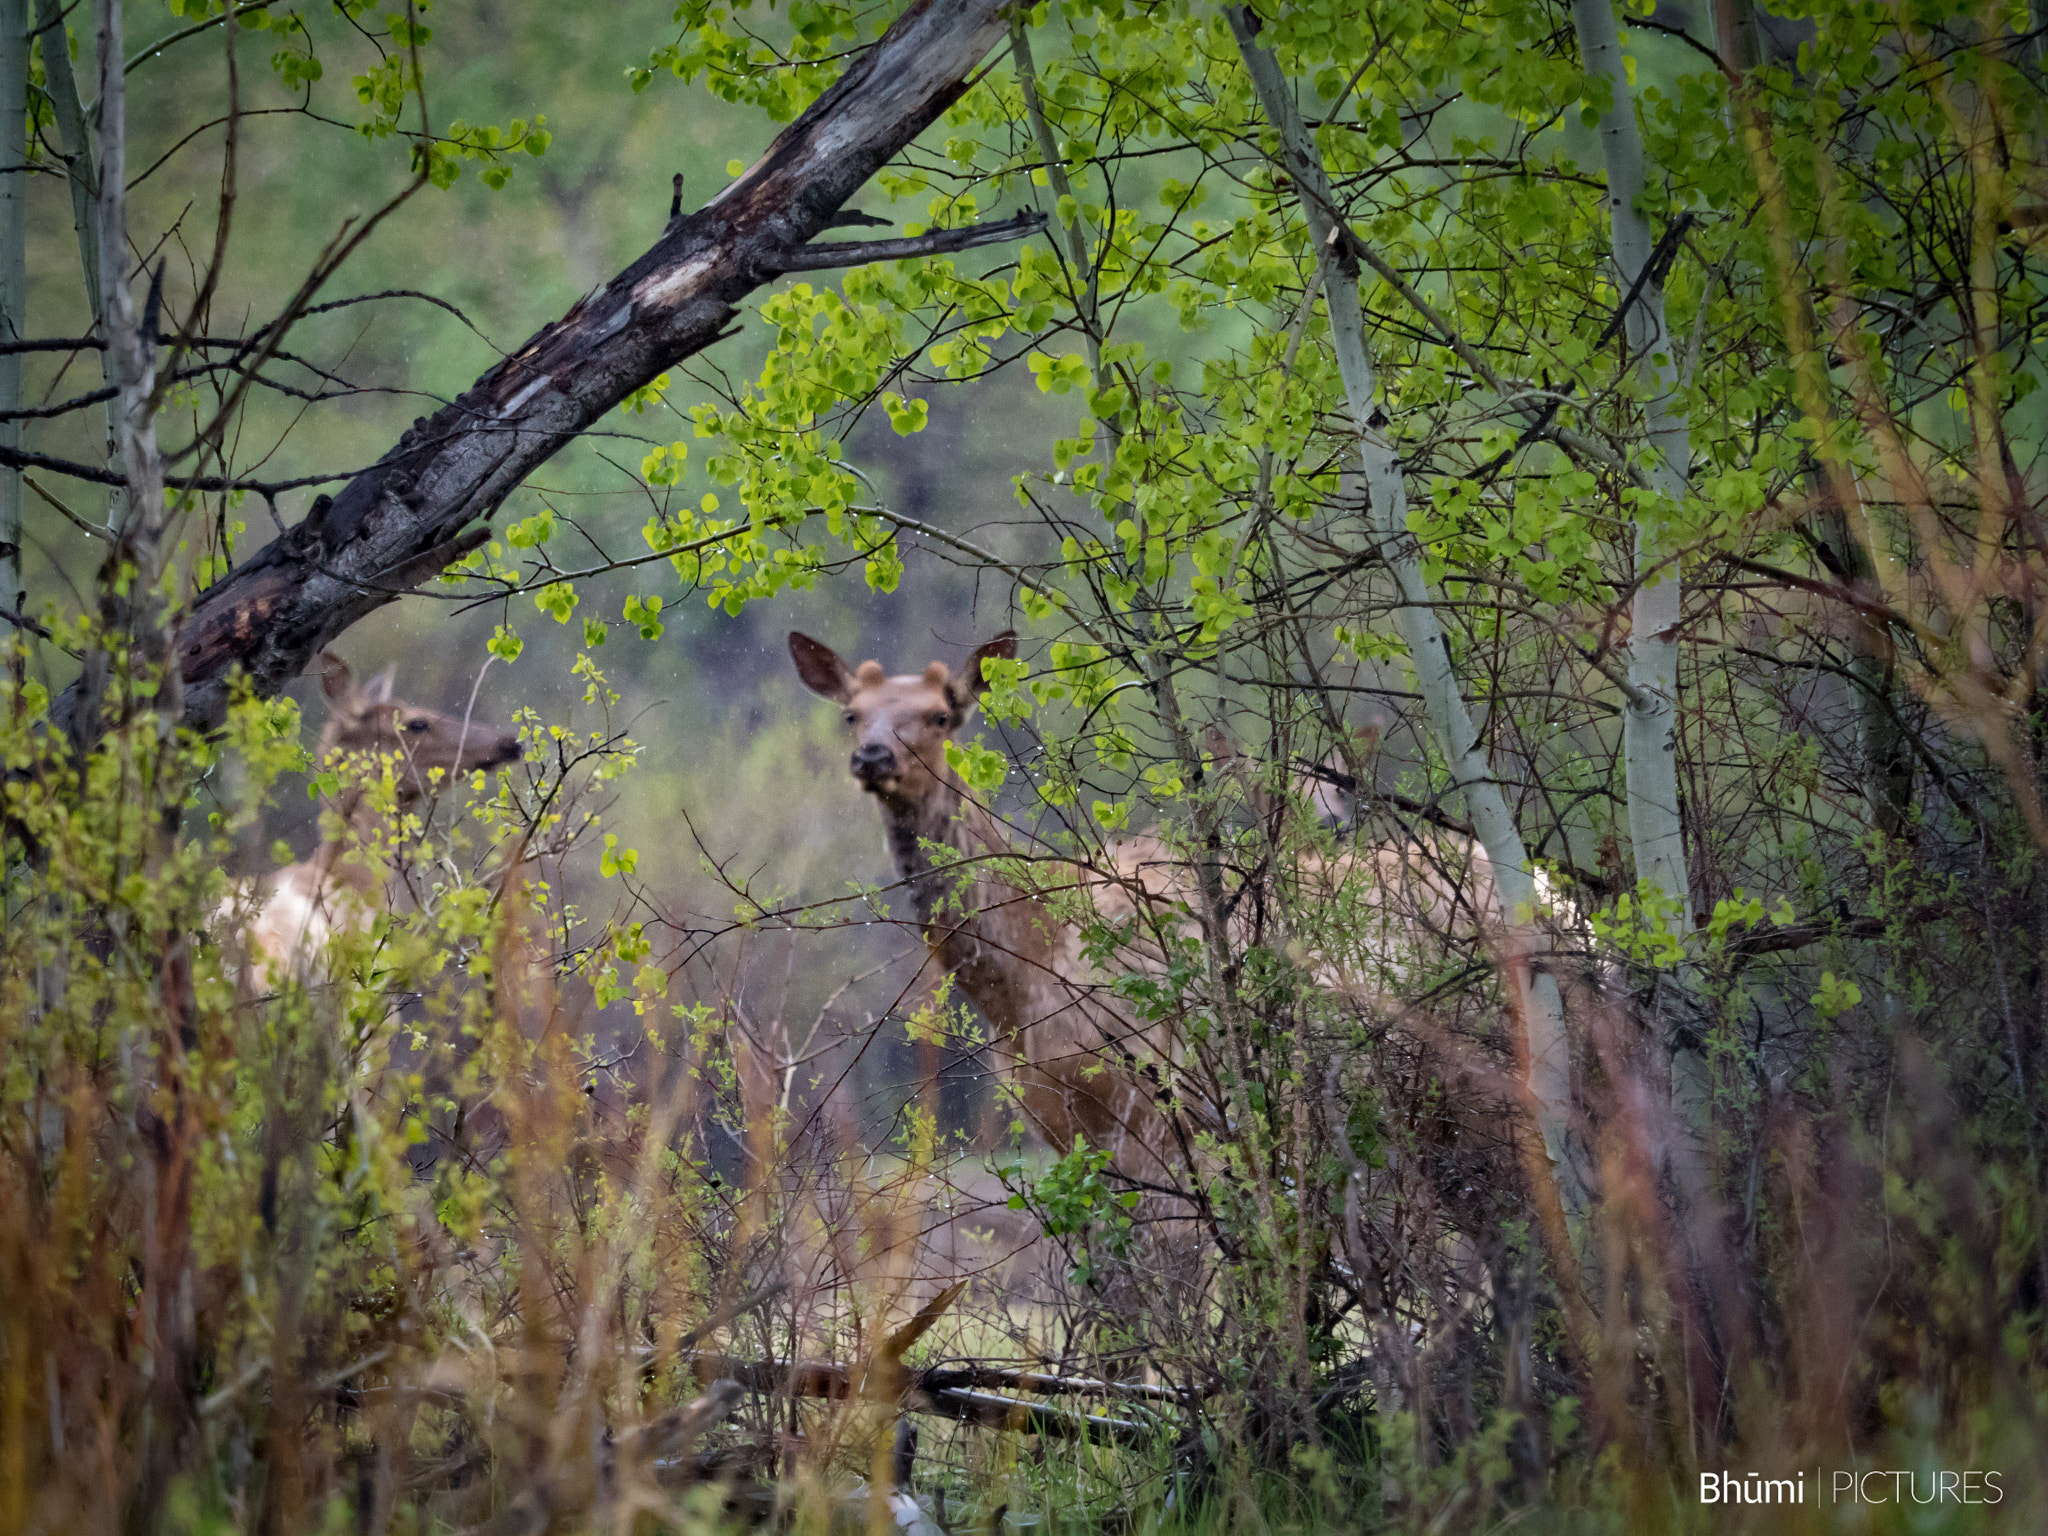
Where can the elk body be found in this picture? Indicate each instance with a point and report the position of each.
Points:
(1081, 1066)
(1069, 1050)
(349, 877)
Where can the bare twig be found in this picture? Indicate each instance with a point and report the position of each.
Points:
(819, 256)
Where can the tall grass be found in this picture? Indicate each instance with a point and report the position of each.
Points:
(457, 1229)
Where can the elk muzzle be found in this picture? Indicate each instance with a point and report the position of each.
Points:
(874, 761)
(505, 749)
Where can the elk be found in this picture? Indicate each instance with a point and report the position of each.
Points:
(1069, 1050)
(1081, 1066)
(348, 876)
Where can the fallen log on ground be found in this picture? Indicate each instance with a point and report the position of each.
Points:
(950, 1393)
(1003, 1379)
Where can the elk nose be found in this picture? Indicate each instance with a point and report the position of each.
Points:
(873, 760)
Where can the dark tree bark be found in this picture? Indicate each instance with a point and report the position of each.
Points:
(422, 506)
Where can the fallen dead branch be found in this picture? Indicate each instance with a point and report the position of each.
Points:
(953, 1393)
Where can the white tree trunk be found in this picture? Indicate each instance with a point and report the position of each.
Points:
(131, 356)
(133, 639)
(81, 174)
(1651, 720)
(75, 138)
(13, 276)
(1550, 1078)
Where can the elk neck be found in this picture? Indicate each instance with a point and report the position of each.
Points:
(913, 825)
(987, 935)
(355, 857)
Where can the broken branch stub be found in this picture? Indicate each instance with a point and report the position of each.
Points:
(420, 506)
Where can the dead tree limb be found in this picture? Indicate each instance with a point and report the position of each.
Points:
(426, 503)
(817, 257)
(71, 469)
(945, 1393)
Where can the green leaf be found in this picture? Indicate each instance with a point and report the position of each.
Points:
(644, 613)
(558, 600)
(983, 770)
(906, 416)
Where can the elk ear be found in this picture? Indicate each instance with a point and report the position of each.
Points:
(378, 690)
(1003, 648)
(336, 681)
(820, 668)
(966, 690)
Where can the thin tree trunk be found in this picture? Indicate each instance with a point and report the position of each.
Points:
(81, 170)
(1887, 756)
(13, 276)
(133, 647)
(132, 640)
(1542, 1008)
(82, 178)
(1655, 610)
(130, 355)
(1650, 717)
(1079, 261)
(1735, 38)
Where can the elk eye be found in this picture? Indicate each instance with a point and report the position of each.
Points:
(849, 717)
(940, 719)
(416, 726)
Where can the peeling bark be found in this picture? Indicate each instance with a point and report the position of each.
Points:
(425, 503)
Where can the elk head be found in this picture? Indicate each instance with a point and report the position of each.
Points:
(432, 748)
(899, 725)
